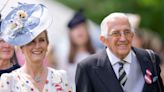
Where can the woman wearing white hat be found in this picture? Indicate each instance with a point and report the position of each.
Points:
(25, 26)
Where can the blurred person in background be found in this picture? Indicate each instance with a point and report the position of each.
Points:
(138, 39)
(8, 60)
(26, 26)
(151, 40)
(80, 44)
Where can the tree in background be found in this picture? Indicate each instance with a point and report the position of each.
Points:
(151, 11)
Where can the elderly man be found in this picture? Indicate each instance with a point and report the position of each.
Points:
(119, 67)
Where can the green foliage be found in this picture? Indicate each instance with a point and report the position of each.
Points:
(151, 11)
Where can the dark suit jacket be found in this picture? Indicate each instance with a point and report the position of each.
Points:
(95, 73)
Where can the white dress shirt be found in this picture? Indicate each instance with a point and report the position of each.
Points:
(114, 62)
(132, 68)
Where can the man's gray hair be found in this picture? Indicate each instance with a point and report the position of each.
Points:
(104, 23)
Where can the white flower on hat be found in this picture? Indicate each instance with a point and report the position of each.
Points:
(14, 27)
(16, 23)
(21, 14)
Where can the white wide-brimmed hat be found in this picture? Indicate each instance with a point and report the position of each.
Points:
(24, 23)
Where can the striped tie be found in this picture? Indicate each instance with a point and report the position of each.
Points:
(122, 74)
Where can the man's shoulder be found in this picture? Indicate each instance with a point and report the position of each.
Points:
(142, 51)
(145, 54)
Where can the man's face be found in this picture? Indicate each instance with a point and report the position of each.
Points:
(119, 37)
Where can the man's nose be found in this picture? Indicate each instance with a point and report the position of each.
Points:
(122, 37)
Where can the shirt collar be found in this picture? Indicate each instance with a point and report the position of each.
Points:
(114, 59)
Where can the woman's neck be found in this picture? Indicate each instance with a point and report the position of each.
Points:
(33, 69)
(36, 72)
(81, 49)
(5, 64)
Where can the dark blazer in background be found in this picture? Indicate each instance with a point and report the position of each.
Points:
(95, 73)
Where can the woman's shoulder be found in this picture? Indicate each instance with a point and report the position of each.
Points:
(10, 75)
(6, 76)
(8, 80)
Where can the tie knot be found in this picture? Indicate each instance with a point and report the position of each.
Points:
(121, 63)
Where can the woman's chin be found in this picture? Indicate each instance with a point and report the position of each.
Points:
(37, 60)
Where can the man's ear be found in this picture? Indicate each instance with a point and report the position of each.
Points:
(103, 40)
(133, 34)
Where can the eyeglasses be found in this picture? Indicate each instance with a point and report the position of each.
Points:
(118, 33)
(1, 42)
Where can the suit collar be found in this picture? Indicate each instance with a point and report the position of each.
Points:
(106, 73)
(102, 57)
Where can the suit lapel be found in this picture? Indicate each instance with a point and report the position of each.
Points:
(145, 64)
(106, 73)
